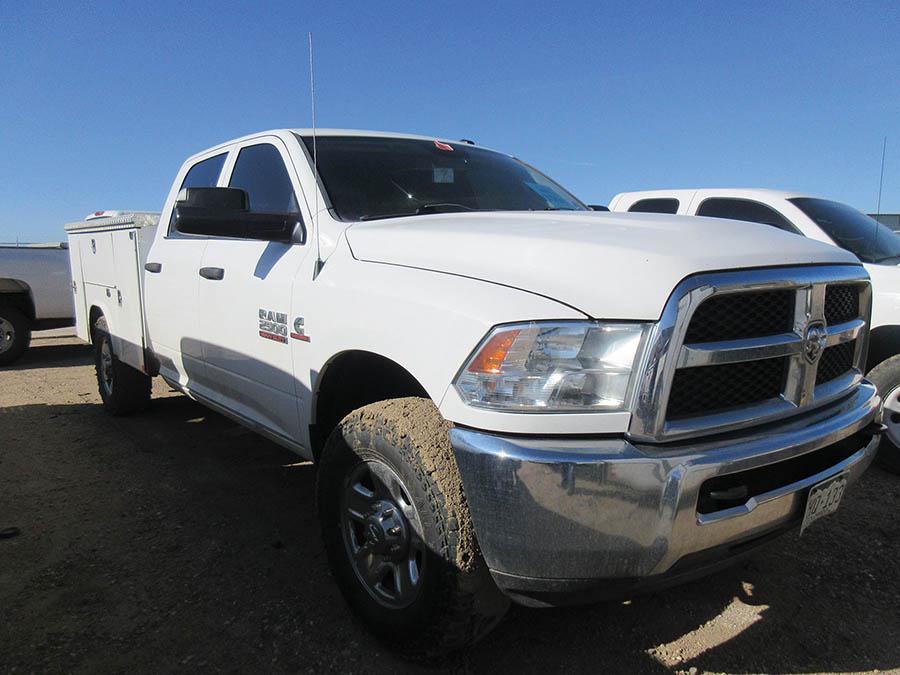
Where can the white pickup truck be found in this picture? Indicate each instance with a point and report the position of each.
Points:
(875, 244)
(508, 396)
(35, 294)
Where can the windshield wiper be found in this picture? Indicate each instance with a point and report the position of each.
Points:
(425, 209)
(445, 207)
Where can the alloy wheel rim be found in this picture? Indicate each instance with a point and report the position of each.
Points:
(892, 415)
(7, 335)
(382, 534)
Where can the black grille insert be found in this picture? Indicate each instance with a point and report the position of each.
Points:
(710, 389)
(835, 361)
(841, 303)
(724, 492)
(733, 316)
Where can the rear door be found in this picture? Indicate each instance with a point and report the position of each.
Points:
(171, 289)
(245, 315)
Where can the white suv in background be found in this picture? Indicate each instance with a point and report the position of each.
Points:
(876, 245)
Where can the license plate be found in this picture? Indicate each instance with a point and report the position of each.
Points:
(824, 499)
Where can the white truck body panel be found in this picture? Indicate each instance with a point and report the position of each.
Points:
(597, 250)
(885, 278)
(43, 272)
(108, 256)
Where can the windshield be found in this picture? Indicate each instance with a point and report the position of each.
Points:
(865, 237)
(369, 177)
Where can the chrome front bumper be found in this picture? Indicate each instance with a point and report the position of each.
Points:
(556, 517)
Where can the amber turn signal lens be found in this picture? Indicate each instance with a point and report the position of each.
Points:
(490, 359)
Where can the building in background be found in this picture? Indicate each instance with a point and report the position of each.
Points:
(892, 220)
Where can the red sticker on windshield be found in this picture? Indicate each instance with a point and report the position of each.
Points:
(443, 146)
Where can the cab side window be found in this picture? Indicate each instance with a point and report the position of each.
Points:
(260, 171)
(744, 209)
(203, 174)
(659, 205)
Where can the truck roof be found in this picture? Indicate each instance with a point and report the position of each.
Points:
(721, 192)
(332, 132)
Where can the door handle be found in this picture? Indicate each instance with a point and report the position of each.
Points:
(156, 268)
(213, 273)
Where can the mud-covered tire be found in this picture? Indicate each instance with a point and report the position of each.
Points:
(123, 389)
(456, 600)
(15, 334)
(886, 377)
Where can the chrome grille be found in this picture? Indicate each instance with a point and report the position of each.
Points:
(743, 348)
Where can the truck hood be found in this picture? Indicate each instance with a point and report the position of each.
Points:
(607, 265)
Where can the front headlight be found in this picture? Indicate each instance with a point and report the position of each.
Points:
(575, 366)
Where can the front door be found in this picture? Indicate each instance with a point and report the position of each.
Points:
(245, 300)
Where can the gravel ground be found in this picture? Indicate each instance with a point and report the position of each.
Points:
(177, 541)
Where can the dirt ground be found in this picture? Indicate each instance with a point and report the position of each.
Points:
(177, 541)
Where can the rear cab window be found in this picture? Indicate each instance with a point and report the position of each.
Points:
(655, 205)
(746, 210)
(204, 173)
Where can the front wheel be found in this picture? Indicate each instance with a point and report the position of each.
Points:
(886, 377)
(123, 389)
(398, 532)
(15, 334)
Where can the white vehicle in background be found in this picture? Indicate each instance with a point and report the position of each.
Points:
(875, 244)
(35, 294)
(508, 395)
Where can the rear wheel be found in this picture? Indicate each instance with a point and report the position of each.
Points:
(123, 389)
(398, 533)
(15, 334)
(886, 376)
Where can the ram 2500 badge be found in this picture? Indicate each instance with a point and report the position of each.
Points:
(508, 395)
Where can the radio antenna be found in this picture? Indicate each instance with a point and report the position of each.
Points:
(881, 179)
(312, 98)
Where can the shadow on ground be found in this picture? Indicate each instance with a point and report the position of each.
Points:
(52, 355)
(177, 540)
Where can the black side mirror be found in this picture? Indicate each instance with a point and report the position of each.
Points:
(598, 207)
(225, 212)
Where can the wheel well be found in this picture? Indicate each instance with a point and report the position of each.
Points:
(354, 379)
(884, 342)
(17, 294)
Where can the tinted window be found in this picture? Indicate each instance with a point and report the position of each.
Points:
(202, 174)
(368, 178)
(865, 237)
(744, 209)
(655, 206)
(205, 173)
(260, 171)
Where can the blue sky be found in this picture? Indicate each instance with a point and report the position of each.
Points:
(101, 102)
